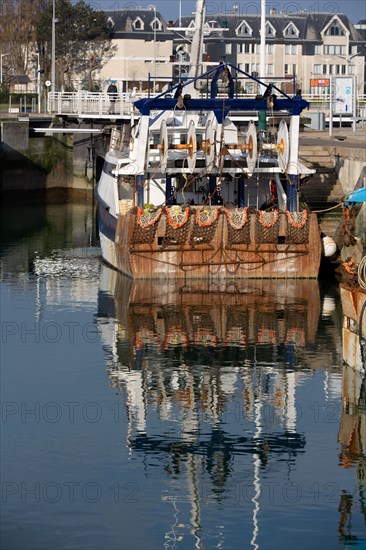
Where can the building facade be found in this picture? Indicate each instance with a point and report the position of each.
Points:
(312, 48)
(144, 47)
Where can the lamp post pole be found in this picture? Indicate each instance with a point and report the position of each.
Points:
(38, 83)
(155, 23)
(262, 65)
(53, 54)
(1, 66)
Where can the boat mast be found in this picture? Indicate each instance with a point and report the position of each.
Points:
(197, 43)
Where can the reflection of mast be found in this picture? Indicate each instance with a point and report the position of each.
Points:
(194, 497)
(257, 465)
(291, 401)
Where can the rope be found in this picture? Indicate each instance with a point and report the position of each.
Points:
(362, 273)
(328, 209)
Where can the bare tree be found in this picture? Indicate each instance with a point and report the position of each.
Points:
(18, 34)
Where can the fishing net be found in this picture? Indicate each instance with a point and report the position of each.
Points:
(204, 227)
(238, 225)
(266, 227)
(177, 226)
(297, 227)
(146, 223)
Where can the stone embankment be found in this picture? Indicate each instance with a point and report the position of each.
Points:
(340, 164)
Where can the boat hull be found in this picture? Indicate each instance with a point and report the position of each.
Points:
(217, 258)
(354, 326)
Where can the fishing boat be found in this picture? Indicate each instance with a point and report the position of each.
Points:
(202, 190)
(353, 296)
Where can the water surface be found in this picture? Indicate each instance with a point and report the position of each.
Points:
(150, 416)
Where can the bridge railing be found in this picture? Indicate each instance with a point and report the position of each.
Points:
(89, 104)
(98, 104)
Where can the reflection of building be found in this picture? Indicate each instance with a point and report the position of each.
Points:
(352, 438)
(210, 379)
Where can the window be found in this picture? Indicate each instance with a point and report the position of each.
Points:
(270, 30)
(334, 29)
(246, 67)
(269, 68)
(228, 48)
(334, 50)
(325, 69)
(257, 48)
(354, 50)
(291, 30)
(290, 68)
(245, 48)
(269, 48)
(138, 24)
(244, 29)
(156, 24)
(317, 49)
(317, 69)
(343, 69)
(351, 69)
(290, 49)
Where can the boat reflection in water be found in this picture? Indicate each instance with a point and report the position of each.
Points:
(352, 439)
(210, 375)
(187, 349)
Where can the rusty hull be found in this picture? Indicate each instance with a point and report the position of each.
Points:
(353, 300)
(217, 259)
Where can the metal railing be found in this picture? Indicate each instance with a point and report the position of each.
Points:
(89, 104)
(98, 105)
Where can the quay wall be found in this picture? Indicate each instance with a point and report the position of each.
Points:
(49, 161)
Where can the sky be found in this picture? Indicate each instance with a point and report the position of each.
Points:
(169, 9)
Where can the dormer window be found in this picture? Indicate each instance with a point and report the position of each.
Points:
(244, 29)
(138, 24)
(291, 30)
(156, 24)
(334, 29)
(270, 30)
(190, 29)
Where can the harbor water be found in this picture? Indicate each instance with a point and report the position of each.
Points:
(148, 416)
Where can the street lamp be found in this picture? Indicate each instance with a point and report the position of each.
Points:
(1, 66)
(38, 83)
(153, 8)
(53, 70)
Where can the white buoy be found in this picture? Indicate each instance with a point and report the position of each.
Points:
(329, 246)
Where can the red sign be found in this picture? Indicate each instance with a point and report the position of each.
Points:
(319, 82)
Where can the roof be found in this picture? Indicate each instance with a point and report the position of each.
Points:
(310, 25)
(19, 79)
(123, 20)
